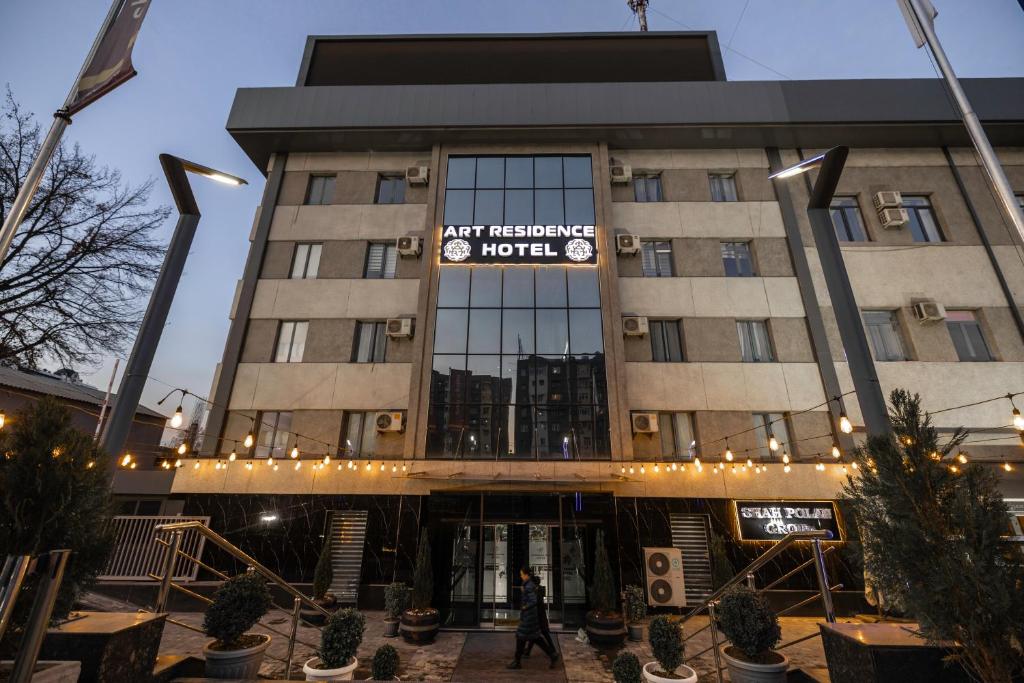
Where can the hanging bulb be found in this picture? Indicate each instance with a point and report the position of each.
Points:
(631, 469)
(728, 452)
(3, 419)
(248, 465)
(351, 465)
(249, 440)
(217, 466)
(642, 470)
(394, 468)
(845, 426)
(126, 459)
(177, 463)
(786, 468)
(657, 467)
(750, 462)
(233, 456)
(295, 451)
(1018, 420)
(166, 465)
(177, 419)
(845, 471)
(298, 464)
(835, 451)
(854, 465)
(367, 465)
(339, 467)
(195, 465)
(820, 466)
(696, 462)
(674, 467)
(327, 459)
(773, 443)
(682, 468)
(785, 458)
(403, 467)
(275, 468)
(382, 467)
(132, 466)
(623, 469)
(954, 469)
(734, 468)
(89, 465)
(962, 457)
(183, 448)
(1007, 467)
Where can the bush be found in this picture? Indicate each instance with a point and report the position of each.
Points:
(666, 643)
(341, 638)
(746, 619)
(423, 575)
(722, 570)
(323, 575)
(602, 592)
(626, 668)
(396, 599)
(636, 604)
(385, 663)
(237, 605)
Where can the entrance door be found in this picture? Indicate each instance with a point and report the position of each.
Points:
(507, 547)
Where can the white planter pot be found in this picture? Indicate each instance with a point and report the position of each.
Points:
(244, 664)
(742, 671)
(343, 673)
(688, 674)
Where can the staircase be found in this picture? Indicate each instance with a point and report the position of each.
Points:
(348, 533)
(690, 535)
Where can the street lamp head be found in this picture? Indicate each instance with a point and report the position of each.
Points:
(803, 167)
(212, 173)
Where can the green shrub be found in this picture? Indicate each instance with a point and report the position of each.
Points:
(721, 568)
(323, 575)
(746, 619)
(385, 663)
(341, 637)
(666, 643)
(237, 605)
(626, 668)
(423, 575)
(396, 599)
(636, 604)
(602, 592)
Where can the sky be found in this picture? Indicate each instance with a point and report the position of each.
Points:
(191, 55)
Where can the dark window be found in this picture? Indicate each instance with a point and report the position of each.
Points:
(923, 225)
(848, 222)
(967, 336)
(306, 261)
(666, 346)
(390, 189)
(291, 341)
(369, 344)
(767, 425)
(381, 260)
(647, 188)
(656, 258)
(359, 434)
(737, 259)
(272, 432)
(884, 334)
(677, 435)
(723, 187)
(321, 189)
(755, 345)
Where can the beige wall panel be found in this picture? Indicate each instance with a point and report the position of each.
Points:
(315, 386)
(709, 297)
(347, 222)
(1011, 261)
(753, 185)
(713, 426)
(711, 340)
(293, 189)
(698, 257)
(703, 159)
(342, 259)
(277, 260)
(355, 161)
(1008, 156)
(802, 386)
(772, 257)
(664, 386)
(685, 185)
(355, 187)
(637, 349)
(929, 342)
(791, 340)
(316, 426)
(891, 156)
(329, 340)
(667, 297)
(816, 423)
(307, 299)
(1002, 335)
(372, 386)
(699, 219)
(260, 337)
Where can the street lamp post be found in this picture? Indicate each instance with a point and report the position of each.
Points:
(141, 359)
(858, 354)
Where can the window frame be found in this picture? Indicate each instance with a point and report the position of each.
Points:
(679, 450)
(959, 326)
(720, 190)
(846, 233)
(367, 419)
(292, 333)
(390, 248)
(731, 245)
(760, 422)
(273, 450)
(392, 181)
(661, 346)
(647, 181)
(378, 341)
(307, 259)
(745, 331)
(914, 213)
(659, 267)
(895, 326)
(326, 194)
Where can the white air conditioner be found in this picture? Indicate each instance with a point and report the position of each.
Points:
(929, 312)
(627, 244)
(893, 218)
(390, 422)
(409, 246)
(399, 328)
(634, 325)
(621, 173)
(666, 586)
(417, 175)
(886, 200)
(645, 423)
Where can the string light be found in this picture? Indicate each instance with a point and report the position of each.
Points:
(642, 470)
(623, 469)
(657, 467)
(166, 465)
(403, 467)
(177, 463)
(195, 465)
(178, 418)
(3, 419)
(773, 443)
(785, 458)
(233, 456)
(696, 462)
(298, 464)
(954, 469)
(249, 440)
(835, 451)
(382, 467)
(674, 467)
(248, 465)
(183, 448)
(786, 468)
(126, 459)
(734, 468)
(367, 465)
(845, 426)
(275, 468)
(1018, 419)
(327, 458)
(728, 452)
(270, 462)
(132, 466)
(295, 451)
(750, 462)
(89, 465)
(394, 468)
(854, 465)
(961, 458)
(1007, 466)
(631, 469)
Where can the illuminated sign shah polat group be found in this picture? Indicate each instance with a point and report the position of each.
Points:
(525, 244)
(762, 520)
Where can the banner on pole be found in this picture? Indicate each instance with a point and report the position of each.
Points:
(111, 65)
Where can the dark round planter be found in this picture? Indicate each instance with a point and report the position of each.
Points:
(391, 628)
(605, 629)
(420, 626)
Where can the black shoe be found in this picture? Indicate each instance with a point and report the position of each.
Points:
(526, 654)
(514, 664)
(554, 660)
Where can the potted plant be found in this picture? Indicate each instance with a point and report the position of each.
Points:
(421, 621)
(323, 577)
(746, 619)
(396, 600)
(237, 605)
(605, 625)
(626, 668)
(339, 640)
(667, 645)
(636, 611)
(385, 663)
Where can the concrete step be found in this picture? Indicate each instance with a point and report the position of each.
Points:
(174, 667)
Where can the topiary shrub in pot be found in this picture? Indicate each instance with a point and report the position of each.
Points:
(636, 611)
(421, 622)
(626, 668)
(385, 663)
(746, 619)
(340, 638)
(396, 601)
(667, 644)
(604, 623)
(323, 576)
(237, 605)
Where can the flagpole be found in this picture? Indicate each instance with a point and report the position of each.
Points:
(61, 120)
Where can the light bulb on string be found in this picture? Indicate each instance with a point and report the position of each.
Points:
(248, 465)
(786, 468)
(394, 468)
(845, 426)
(643, 470)
(962, 458)
(248, 440)
(954, 469)
(183, 448)
(728, 452)
(382, 467)
(773, 443)
(734, 468)
(126, 459)
(696, 462)
(327, 459)
(631, 469)
(1007, 467)
(132, 466)
(368, 465)
(657, 467)
(403, 467)
(3, 419)
(674, 467)
(178, 418)
(351, 465)
(233, 456)
(623, 469)
(785, 458)
(750, 462)
(854, 465)
(275, 468)
(195, 465)
(177, 463)
(1018, 419)
(270, 461)
(298, 464)
(835, 451)
(295, 451)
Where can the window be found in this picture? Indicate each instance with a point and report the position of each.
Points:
(647, 188)
(306, 262)
(737, 259)
(723, 187)
(773, 424)
(677, 436)
(884, 333)
(755, 345)
(291, 342)
(967, 336)
(390, 189)
(359, 434)
(321, 189)
(665, 343)
(923, 226)
(381, 260)
(272, 432)
(847, 220)
(370, 341)
(656, 258)
(1020, 201)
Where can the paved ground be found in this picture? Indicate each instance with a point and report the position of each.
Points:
(485, 656)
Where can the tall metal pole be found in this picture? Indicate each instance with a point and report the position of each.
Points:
(106, 400)
(989, 161)
(61, 120)
(639, 8)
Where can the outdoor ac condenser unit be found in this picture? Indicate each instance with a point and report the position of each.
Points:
(893, 218)
(663, 571)
(621, 173)
(417, 175)
(634, 325)
(390, 422)
(645, 423)
(409, 246)
(886, 200)
(399, 328)
(627, 244)
(929, 312)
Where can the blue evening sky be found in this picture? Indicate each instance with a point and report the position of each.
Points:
(193, 54)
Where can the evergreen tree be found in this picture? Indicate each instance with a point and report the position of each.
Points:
(323, 574)
(602, 592)
(930, 532)
(722, 570)
(423, 575)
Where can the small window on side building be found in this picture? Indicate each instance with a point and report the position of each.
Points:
(647, 188)
(320, 190)
(737, 259)
(381, 260)
(723, 187)
(968, 339)
(390, 189)
(656, 258)
(848, 222)
(306, 261)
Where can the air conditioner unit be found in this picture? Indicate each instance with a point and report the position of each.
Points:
(409, 246)
(417, 175)
(399, 328)
(885, 200)
(645, 423)
(663, 571)
(929, 312)
(893, 218)
(627, 244)
(621, 173)
(390, 422)
(634, 325)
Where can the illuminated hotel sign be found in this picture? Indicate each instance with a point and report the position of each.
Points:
(528, 244)
(770, 520)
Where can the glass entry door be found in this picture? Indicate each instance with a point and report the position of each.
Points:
(506, 548)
